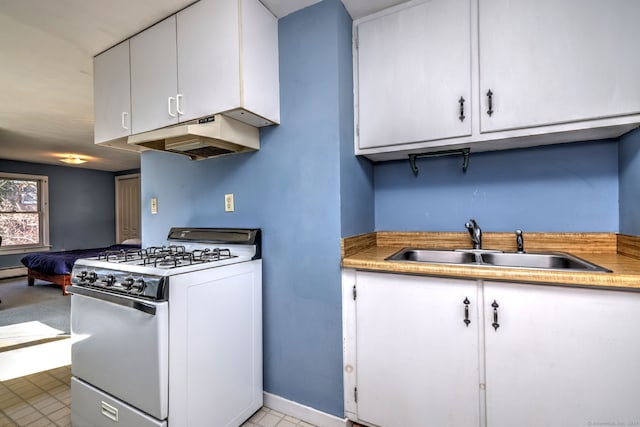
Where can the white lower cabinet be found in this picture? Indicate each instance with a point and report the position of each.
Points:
(562, 356)
(416, 360)
(531, 356)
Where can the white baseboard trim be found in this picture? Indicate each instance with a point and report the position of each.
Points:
(5, 273)
(302, 412)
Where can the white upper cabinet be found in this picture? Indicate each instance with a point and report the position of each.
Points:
(228, 61)
(555, 71)
(413, 74)
(208, 70)
(111, 87)
(550, 62)
(154, 77)
(215, 56)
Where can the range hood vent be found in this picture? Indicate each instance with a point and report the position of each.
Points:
(211, 136)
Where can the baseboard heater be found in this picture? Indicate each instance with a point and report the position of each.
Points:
(6, 273)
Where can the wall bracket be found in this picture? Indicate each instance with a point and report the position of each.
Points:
(464, 151)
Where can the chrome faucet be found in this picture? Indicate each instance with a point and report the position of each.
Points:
(475, 232)
(519, 241)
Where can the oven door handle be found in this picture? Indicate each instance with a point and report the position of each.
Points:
(115, 299)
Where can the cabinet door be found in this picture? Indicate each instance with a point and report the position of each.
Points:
(111, 94)
(550, 62)
(412, 68)
(208, 58)
(417, 362)
(154, 77)
(561, 356)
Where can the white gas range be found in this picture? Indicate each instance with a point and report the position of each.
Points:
(169, 335)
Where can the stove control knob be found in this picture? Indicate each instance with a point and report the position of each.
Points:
(92, 277)
(82, 275)
(127, 283)
(138, 285)
(109, 280)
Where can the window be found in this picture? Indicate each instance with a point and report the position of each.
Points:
(24, 213)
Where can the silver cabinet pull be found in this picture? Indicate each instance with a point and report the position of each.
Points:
(109, 411)
(124, 120)
(169, 100)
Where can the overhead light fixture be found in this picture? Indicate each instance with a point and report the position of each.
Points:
(74, 160)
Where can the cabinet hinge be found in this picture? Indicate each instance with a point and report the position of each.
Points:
(356, 40)
(355, 394)
(355, 292)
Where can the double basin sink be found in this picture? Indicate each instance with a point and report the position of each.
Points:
(540, 260)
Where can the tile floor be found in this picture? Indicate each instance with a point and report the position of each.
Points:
(43, 399)
(266, 417)
(37, 400)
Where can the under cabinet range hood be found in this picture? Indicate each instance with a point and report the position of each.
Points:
(204, 138)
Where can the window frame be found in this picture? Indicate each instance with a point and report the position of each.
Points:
(43, 215)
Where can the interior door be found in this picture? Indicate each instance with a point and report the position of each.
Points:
(127, 207)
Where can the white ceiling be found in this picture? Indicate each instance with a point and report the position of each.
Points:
(46, 57)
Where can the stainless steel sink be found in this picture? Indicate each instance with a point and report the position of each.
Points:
(434, 256)
(546, 261)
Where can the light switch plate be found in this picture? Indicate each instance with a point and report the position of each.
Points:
(154, 205)
(228, 203)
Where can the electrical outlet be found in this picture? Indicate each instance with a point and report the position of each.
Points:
(228, 202)
(154, 205)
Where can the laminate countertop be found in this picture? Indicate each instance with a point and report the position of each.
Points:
(618, 253)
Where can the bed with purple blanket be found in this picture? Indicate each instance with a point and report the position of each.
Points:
(55, 267)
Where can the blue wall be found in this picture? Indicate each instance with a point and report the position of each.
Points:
(81, 206)
(629, 164)
(356, 183)
(566, 187)
(292, 189)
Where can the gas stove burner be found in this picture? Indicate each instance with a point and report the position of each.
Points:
(121, 255)
(216, 254)
(166, 250)
(167, 260)
(178, 256)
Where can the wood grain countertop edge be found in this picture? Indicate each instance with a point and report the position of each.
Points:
(617, 252)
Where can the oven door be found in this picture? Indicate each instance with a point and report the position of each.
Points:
(120, 346)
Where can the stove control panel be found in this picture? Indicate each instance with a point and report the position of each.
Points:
(136, 285)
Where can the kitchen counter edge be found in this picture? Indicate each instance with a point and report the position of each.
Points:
(618, 252)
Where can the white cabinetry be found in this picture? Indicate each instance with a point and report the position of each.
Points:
(112, 96)
(414, 74)
(531, 356)
(561, 356)
(154, 77)
(549, 62)
(416, 361)
(556, 73)
(215, 56)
